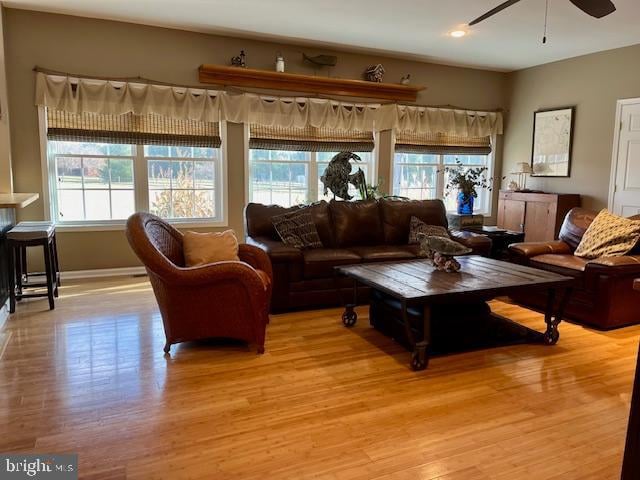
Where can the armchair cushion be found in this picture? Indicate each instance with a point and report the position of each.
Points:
(210, 247)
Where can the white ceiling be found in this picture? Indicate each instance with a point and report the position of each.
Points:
(407, 28)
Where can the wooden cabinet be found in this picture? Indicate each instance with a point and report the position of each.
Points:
(538, 215)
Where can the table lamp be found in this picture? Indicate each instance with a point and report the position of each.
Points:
(522, 170)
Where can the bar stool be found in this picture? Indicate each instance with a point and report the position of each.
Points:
(22, 260)
(18, 239)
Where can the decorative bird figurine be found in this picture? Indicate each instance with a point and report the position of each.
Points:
(441, 250)
(406, 79)
(337, 175)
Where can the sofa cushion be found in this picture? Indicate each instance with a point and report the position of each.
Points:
(396, 217)
(609, 235)
(574, 225)
(258, 220)
(417, 226)
(297, 229)
(356, 223)
(319, 262)
(384, 253)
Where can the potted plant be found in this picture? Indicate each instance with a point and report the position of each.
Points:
(466, 180)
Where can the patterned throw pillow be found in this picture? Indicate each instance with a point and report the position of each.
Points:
(609, 236)
(418, 226)
(297, 229)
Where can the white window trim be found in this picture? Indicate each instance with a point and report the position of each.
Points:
(486, 210)
(141, 194)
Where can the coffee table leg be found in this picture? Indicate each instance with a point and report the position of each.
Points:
(350, 317)
(553, 315)
(420, 355)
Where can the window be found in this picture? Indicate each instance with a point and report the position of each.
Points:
(101, 182)
(420, 162)
(423, 176)
(285, 164)
(94, 179)
(289, 178)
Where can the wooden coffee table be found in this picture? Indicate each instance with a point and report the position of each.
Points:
(415, 283)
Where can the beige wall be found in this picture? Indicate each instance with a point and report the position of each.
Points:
(105, 48)
(593, 83)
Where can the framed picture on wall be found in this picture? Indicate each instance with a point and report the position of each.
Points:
(552, 142)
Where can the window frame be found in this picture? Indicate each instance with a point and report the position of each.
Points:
(140, 188)
(486, 207)
(312, 164)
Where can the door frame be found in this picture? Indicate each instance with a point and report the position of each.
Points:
(616, 143)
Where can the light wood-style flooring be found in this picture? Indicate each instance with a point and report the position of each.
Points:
(323, 402)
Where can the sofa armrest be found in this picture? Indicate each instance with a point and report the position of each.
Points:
(278, 252)
(533, 249)
(625, 265)
(480, 244)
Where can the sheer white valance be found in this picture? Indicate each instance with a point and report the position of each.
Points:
(80, 95)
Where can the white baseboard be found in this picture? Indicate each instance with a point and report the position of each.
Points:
(4, 313)
(103, 273)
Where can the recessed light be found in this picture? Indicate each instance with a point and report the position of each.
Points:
(457, 33)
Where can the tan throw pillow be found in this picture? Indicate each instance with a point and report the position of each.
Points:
(609, 236)
(204, 248)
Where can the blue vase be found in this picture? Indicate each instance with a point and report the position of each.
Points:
(465, 204)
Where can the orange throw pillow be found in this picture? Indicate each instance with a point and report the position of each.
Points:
(204, 248)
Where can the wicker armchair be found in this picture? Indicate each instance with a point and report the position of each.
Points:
(223, 299)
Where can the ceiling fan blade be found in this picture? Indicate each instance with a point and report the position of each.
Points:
(595, 8)
(493, 11)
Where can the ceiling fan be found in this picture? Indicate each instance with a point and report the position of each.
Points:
(595, 8)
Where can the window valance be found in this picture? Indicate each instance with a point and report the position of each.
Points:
(309, 139)
(80, 95)
(150, 129)
(441, 144)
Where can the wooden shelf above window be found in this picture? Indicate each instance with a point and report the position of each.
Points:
(247, 77)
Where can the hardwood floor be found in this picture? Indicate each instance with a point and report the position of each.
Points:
(323, 402)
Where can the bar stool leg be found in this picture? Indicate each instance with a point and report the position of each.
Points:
(19, 269)
(25, 268)
(12, 278)
(54, 272)
(49, 273)
(55, 259)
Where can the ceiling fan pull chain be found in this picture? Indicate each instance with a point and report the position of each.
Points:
(546, 15)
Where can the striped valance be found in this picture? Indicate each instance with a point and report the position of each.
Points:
(309, 139)
(440, 143)
(130, 128)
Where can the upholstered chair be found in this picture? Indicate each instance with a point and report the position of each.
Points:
(222, 299)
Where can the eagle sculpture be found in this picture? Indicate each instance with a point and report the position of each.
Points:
(337, 176)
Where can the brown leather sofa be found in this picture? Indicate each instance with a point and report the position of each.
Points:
(351, 232)
(223, 299)
(603, 296)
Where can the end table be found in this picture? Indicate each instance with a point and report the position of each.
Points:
(500, 238)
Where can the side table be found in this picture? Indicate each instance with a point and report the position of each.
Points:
(500, 238)
(631, 462)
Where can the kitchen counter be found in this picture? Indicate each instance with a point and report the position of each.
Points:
(17, 200)
(9, 203)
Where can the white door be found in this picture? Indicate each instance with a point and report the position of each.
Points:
(626, 168)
